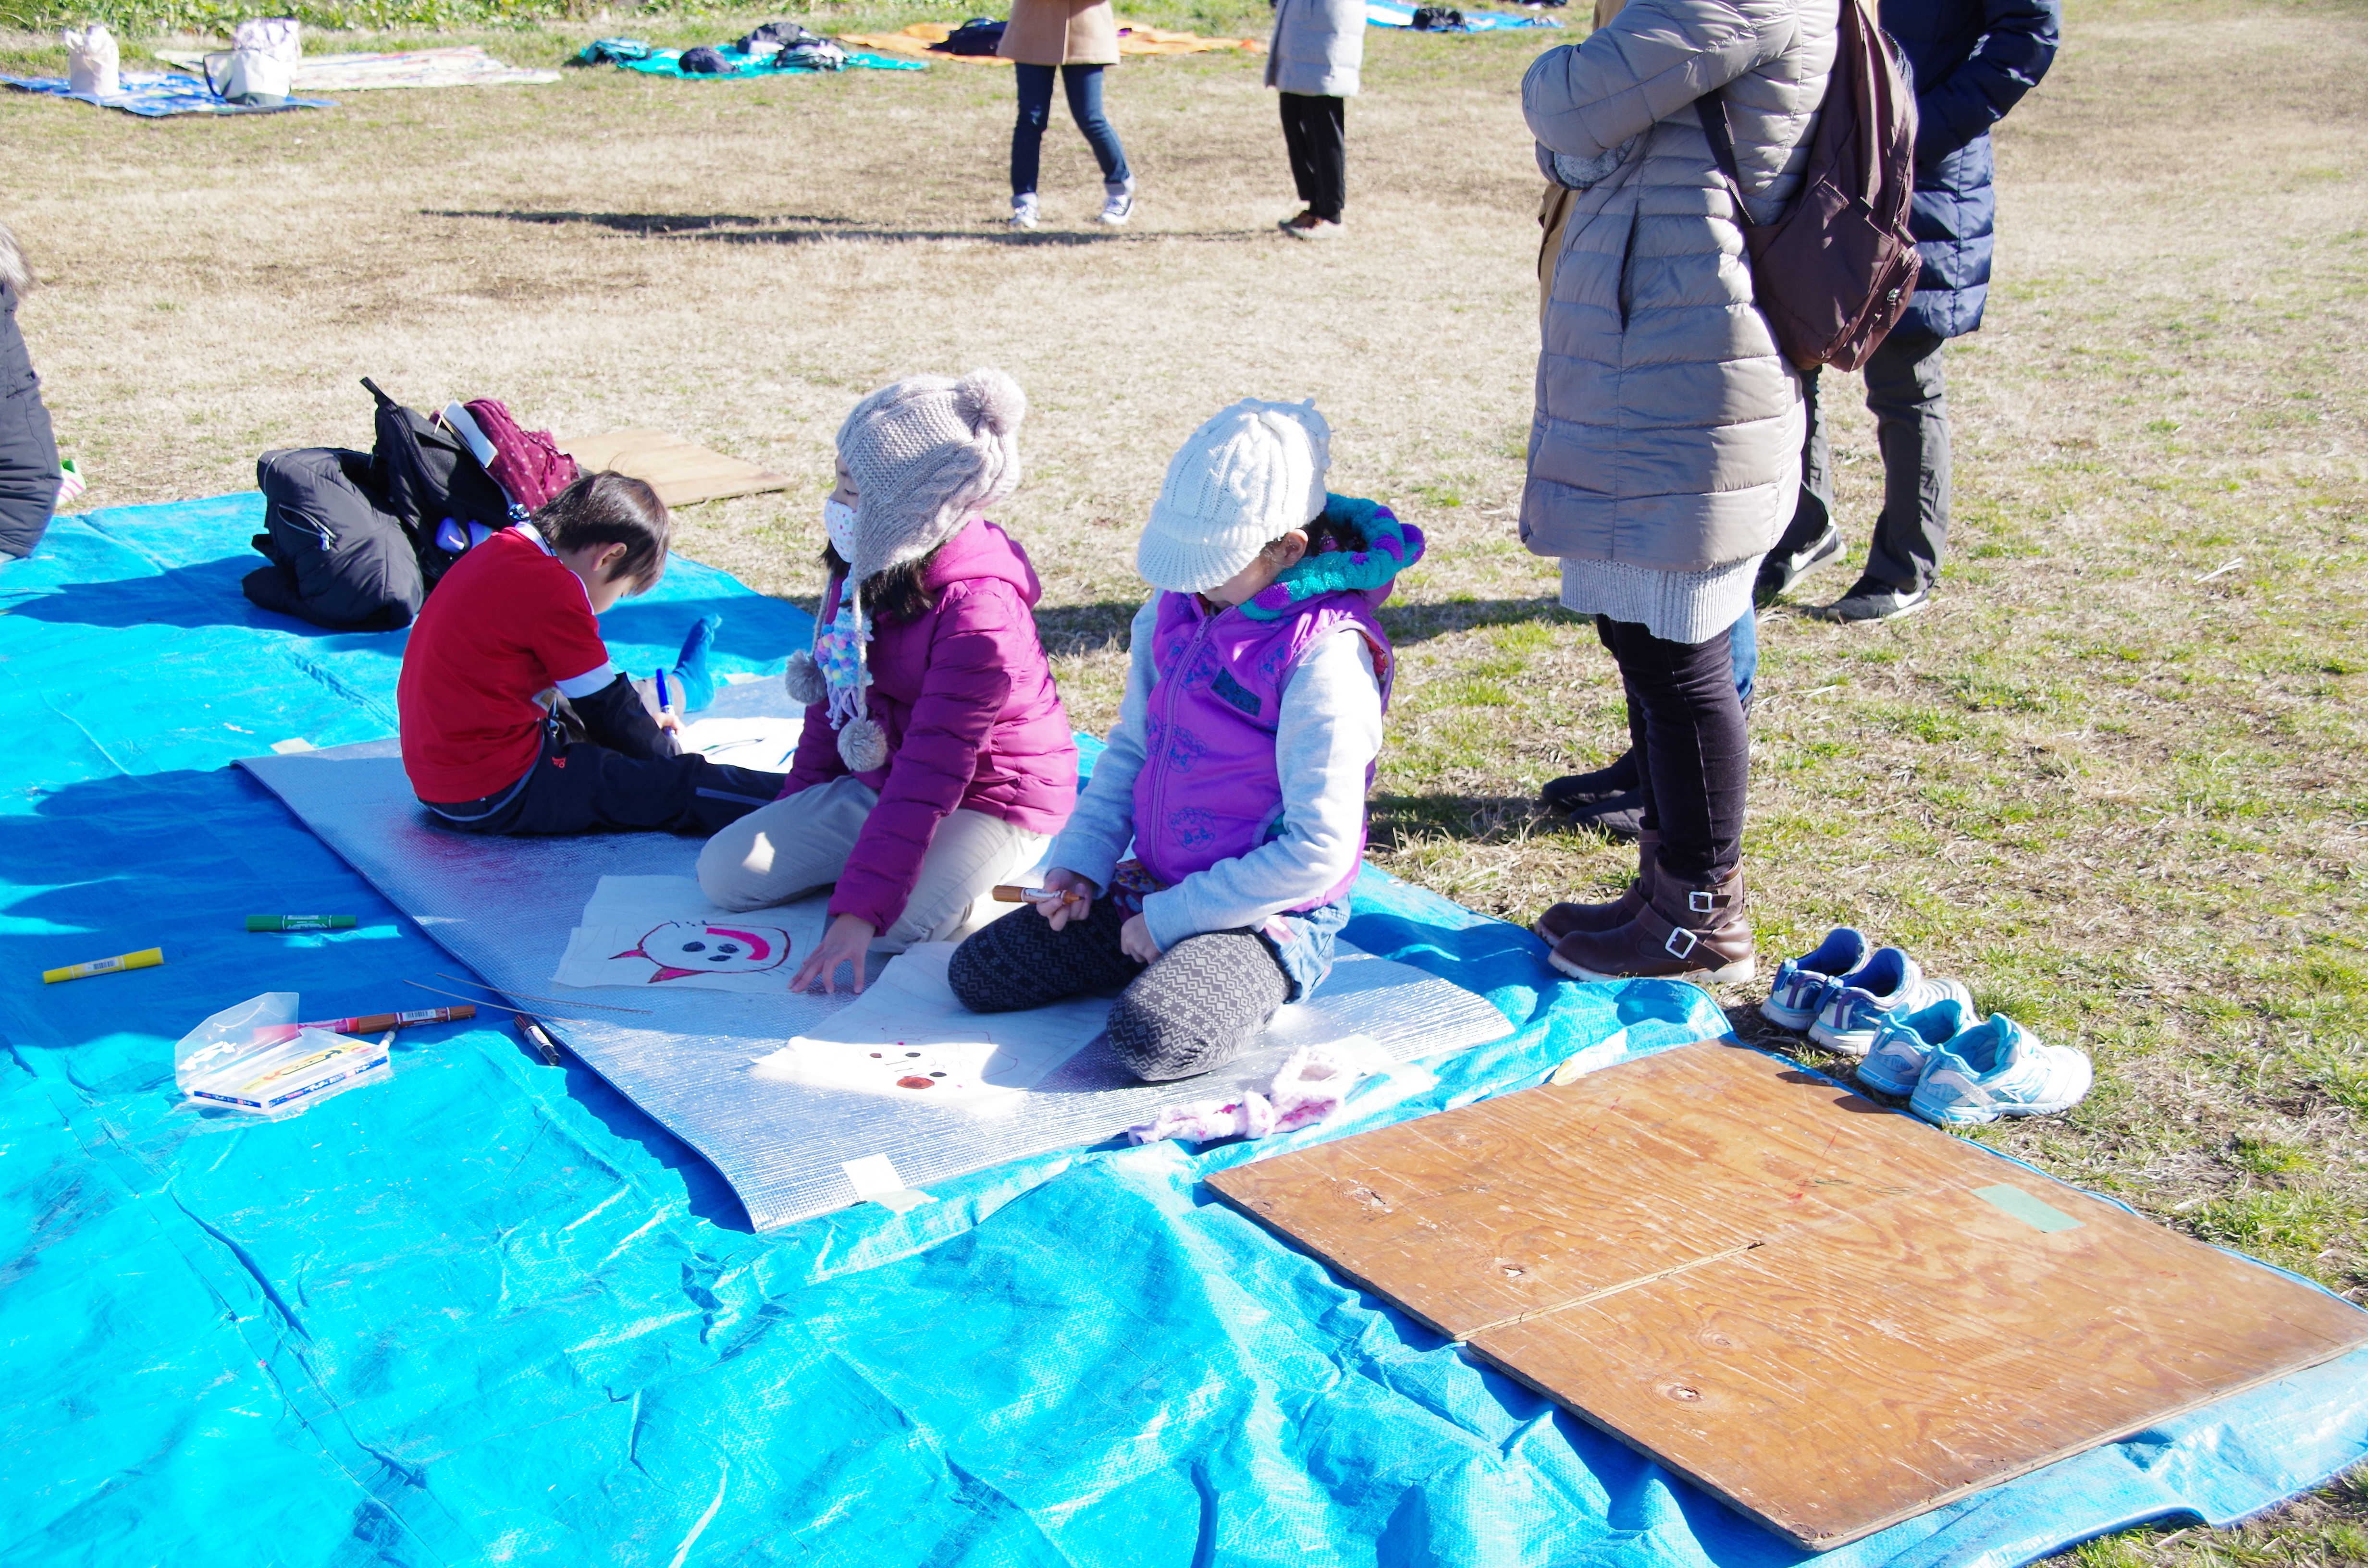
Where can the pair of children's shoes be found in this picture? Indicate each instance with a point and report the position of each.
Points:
(1845, 990)
(1919, 1037)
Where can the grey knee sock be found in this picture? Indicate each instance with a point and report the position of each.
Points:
(1197, 1006)
(1021, 961)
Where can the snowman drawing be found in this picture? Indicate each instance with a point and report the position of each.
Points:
(684, 947)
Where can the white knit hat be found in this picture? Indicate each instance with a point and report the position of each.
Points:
(1240, 481)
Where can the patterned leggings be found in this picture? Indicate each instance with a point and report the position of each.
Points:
(1192, 1009)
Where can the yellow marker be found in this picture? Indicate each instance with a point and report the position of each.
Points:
(148, 958)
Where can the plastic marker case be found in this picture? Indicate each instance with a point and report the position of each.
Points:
(256, 1057)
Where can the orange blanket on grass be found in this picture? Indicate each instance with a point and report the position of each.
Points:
(915, 39)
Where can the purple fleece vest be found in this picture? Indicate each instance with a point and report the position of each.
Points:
(1210, 789)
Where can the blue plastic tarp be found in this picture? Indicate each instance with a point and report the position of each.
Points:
(490, 1313)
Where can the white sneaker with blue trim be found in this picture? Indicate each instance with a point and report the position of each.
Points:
(1799, 994)
(1118, 200)
(1999, 1068)
(1895, 1062)
(1858, 1004)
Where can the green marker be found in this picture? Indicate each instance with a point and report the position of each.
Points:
(300, 922)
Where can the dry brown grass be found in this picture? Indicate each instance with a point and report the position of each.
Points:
(2119, 791)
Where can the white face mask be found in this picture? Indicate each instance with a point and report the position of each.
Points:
(838, 521)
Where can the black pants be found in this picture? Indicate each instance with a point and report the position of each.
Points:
(1316, 133)
(1685, 727)
(1193, 1009)
(29, 453)
(1907, 394)
(578, 787)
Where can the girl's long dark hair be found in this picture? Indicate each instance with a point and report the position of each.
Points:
(896, 594)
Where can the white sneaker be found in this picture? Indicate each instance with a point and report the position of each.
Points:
(1904, 1046)
(1999, 1068)
(1023, 211)
(1888, 985)
(1117, 201)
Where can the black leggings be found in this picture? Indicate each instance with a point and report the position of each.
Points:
(1685, 726)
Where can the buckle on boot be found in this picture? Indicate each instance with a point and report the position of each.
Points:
(1703, 901)
(1691, 941)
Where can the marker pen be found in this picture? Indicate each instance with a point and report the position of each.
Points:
(300, 922)
(147, 958)
(665, 698)
(371, 1023)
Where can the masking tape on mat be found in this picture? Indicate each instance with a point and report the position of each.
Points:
(876, 1181)
(2027, 1208)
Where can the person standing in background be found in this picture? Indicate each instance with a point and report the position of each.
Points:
(29, 451)
(1312, 62)
(1079, 38)
(1970, 62)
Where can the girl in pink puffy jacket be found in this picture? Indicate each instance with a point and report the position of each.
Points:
(936, 760)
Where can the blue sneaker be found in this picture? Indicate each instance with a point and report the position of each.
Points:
(1999, 1068)
(1802, 983)
(1888, 985)
(1895, 1062)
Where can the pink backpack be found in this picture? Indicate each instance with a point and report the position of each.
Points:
(1836, 272)
(528, 464)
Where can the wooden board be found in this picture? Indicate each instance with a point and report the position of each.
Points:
(681, 474)
(1829, 1314)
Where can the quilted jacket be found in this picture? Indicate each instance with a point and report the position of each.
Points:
(1973, 61)
(1669, 428)
(1317, 49)
(973, 719)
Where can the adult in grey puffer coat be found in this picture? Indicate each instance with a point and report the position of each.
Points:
(1313, 62)
(1665, 457)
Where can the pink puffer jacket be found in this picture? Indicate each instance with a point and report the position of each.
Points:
(973, 719)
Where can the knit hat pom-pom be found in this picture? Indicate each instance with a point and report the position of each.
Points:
(804, 680)
(990, 402)
(863, 745)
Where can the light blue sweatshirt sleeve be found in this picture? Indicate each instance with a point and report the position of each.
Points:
(1328, 731)
(1102, 826)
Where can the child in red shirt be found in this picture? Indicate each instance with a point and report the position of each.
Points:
(485, 743)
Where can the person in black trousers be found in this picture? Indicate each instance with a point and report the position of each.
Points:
(29, 451)
(1312, 63)
(1970, 60)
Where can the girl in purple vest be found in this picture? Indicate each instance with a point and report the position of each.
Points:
(1239, 765)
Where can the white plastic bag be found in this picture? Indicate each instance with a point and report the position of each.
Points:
(261, 64)
(91, 56)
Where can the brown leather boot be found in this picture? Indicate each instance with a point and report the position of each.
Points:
(1695, 932)
(1564, 918)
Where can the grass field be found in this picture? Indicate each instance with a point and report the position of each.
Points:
(2114, 778)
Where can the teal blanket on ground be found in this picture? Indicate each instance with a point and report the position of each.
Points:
(744, 67)
(490, 1313)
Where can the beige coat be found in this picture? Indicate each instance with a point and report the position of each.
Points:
(1060, 32)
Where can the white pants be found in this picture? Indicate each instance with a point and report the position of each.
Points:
(790, 848)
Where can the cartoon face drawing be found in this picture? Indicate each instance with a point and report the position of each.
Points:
(693, 947)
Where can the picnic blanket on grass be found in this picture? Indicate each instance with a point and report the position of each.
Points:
(915, 40)
(151, 95)
(489, 1311)
(1389, 13)
(744, 67)
(463, 65)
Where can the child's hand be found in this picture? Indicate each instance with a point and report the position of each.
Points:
(845, 943)
(1135, 940)
(1061, 912)
(670, 723)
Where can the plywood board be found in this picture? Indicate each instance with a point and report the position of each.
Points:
(681, 474)
(1829, 1314)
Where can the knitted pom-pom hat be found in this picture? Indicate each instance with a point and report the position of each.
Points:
(1243, 479)
(928, 454)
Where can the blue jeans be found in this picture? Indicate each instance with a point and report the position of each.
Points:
(1085, 88)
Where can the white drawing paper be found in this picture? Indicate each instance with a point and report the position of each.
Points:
(644, 932)
(764, 744)
(907, 1038)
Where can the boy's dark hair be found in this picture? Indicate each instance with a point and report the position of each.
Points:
(895, 596)
(609, 507)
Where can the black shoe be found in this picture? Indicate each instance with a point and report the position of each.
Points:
(1620, 816)
(1573, 791)
(1777, 573)
(1871, 600)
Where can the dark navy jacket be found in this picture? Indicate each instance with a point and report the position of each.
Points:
(1973, 61)
(28, 457)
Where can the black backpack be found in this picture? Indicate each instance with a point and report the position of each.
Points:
(430, 478)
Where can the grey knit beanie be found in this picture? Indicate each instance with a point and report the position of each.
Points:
(928, 454)
(1243, 479)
